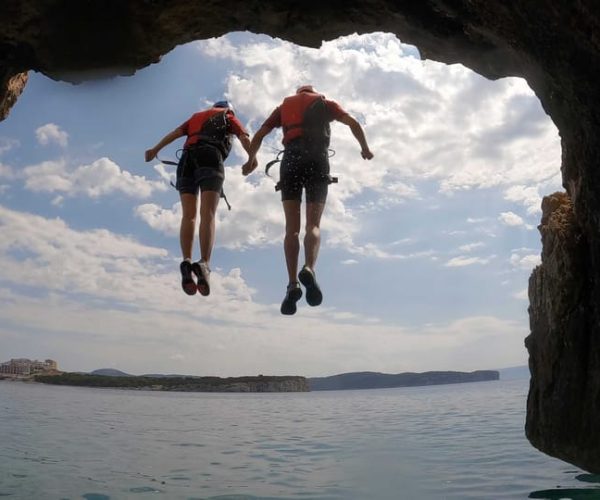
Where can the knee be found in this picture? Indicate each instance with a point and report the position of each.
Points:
(292, 232)
(188, 218)
(312, 228)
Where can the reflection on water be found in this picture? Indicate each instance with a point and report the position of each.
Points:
(446, 442)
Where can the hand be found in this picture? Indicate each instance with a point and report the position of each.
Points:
(249, 166)
(366, 154)
(150, 154)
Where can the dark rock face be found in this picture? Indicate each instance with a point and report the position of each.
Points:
(10, 89)
(563, 395)
(554, 44)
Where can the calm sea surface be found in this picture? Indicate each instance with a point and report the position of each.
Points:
(445, 442)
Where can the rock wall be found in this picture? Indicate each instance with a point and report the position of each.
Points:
(554, 44)
(11, 87)
(562, 398)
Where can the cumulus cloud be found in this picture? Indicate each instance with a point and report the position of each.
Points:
(531, 196)
(51, 133)
(48, 254)
(511, 219)
(94, 291)
(520, 260)
(425, 121)
(99, 178)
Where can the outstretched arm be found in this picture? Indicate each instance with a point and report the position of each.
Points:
(359, 134)
(167, 139)
(253, 148)
(245, 140)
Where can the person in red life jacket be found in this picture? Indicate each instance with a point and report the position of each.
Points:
(305, 119)
(200, 169)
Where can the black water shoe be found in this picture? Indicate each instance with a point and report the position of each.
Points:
(293, 295)
(314, 296)
(187, 280)
(202, 272)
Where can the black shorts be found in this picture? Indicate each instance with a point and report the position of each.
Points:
(200, 168)
(301, 169)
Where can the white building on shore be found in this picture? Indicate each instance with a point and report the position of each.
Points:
(23, 366)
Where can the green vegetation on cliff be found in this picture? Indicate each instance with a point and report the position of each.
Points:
(187, 384)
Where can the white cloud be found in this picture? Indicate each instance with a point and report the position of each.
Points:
(526, 262)
(100, 178)
(49, 133)
(530, 196)
(58, 201)
(350, 262)
(414, 111)
(6, 144)
(164, 220)
(511, 219)
(522, 294)
(463, 261)
(469, 247)
(94, 291)
(48, 254)
(426, 122)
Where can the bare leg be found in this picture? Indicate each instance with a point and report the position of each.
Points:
(312, 238)
(189, 207)
(291, 243)
(209, 200)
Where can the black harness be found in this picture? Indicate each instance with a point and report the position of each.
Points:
(317, 176)
(200, 174)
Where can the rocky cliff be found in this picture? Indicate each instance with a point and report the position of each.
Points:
(554, 44)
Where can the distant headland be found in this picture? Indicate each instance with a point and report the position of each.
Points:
(47, 372)
(374, 380)
(259, 383)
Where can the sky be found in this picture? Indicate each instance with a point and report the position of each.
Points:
(426, 249)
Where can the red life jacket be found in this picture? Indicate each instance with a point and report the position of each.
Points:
(305, 115)
(211, 127)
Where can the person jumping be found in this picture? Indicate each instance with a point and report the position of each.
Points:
(208, 143)
(305, 119)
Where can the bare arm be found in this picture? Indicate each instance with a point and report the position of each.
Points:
(359, 134)
(253, 148)
(167, 139)
(246, 144)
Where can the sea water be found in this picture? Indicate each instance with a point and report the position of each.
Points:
(463, 441)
